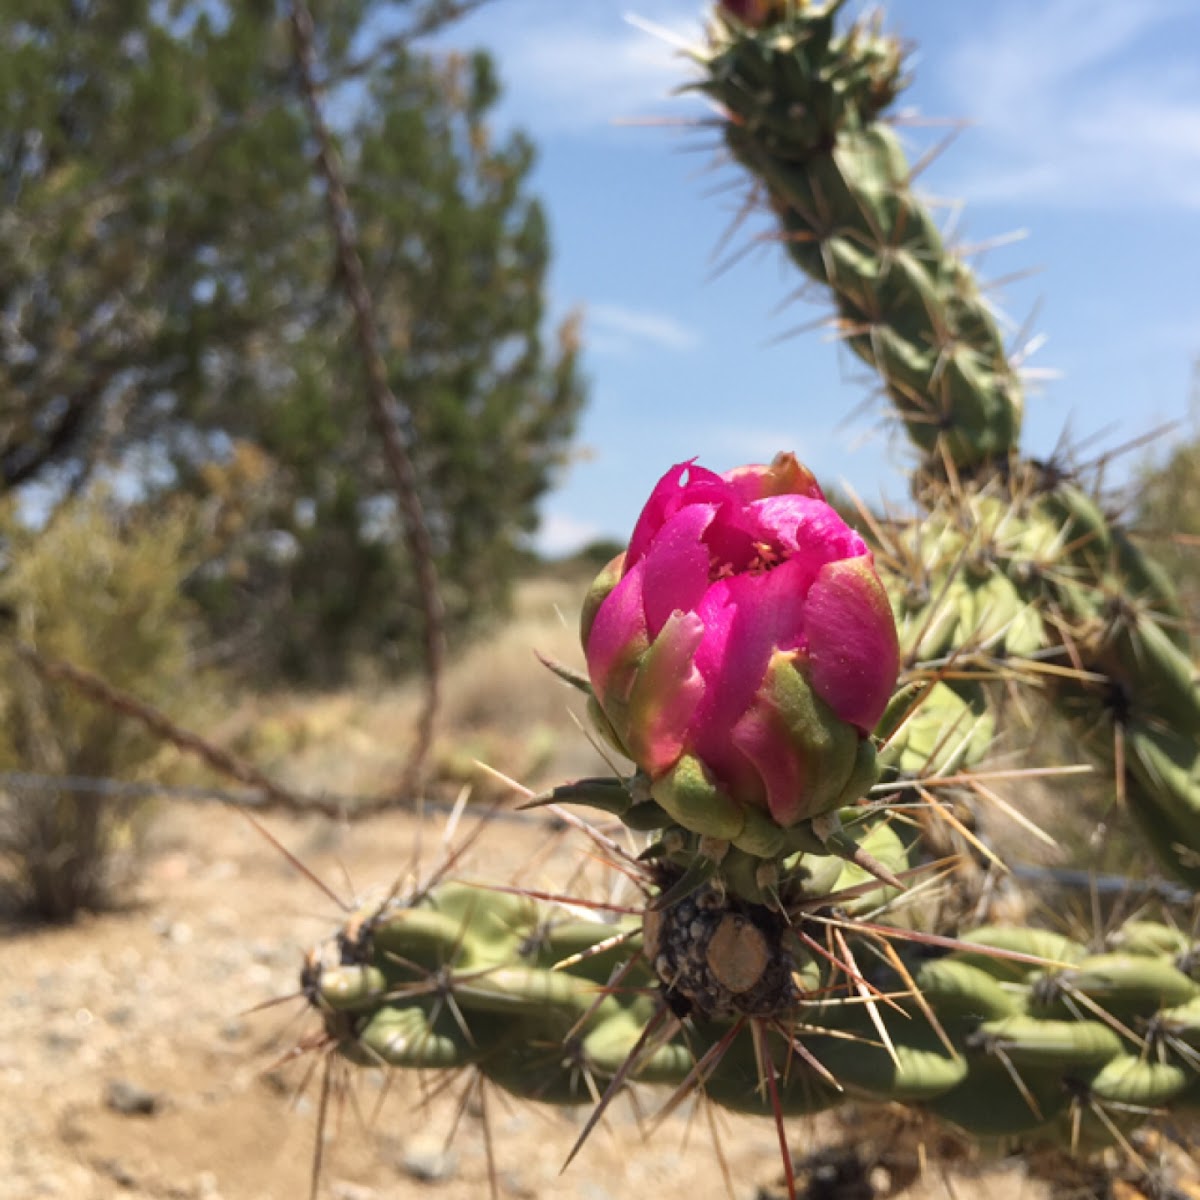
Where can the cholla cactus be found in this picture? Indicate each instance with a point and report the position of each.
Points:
(743, 655)
(803, 103)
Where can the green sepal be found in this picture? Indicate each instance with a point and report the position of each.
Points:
(610, 795)
(604, 727)
(691, 797)
(836, 764)
(652, 723)
(760, 836)
(607, 579)
(884, 849)
(569, 675)
(697, 873)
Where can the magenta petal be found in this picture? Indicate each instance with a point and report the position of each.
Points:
(670, 494)
(806, 527)
(746, 619)
(664, 501)
(677, 566)
(666, 694)
(853, 653)
(618, 637)
(774, 757)
(785, 475)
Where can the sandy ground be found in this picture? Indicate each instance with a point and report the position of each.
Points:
(153, 1000)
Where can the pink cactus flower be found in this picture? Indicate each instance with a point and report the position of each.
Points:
(745, 636)
(750, 12)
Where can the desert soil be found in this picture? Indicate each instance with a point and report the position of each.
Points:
(148, 1008)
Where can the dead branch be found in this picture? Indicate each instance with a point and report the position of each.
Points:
(393, 422)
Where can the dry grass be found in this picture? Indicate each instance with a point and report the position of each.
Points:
(502, 707)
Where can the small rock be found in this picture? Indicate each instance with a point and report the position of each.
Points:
(132, 1099)
(61, 1043)
(118, 1172)
(429, 1162)
(179, 933)
(343, 1189)
(515, 1185)
(206, 1186)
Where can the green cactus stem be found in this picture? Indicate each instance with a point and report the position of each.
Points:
(1018, 1033)
(804, 105)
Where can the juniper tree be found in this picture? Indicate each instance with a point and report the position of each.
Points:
(170, 296)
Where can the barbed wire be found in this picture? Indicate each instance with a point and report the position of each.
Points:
(103, 787)
(325, 804)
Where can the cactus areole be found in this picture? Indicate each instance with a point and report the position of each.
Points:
(741, 651)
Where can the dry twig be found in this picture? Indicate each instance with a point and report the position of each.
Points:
(393, 422)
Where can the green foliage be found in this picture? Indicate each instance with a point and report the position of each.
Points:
(1168, 513)
(105, 594)
(171, 293)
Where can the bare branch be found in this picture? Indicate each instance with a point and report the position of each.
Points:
(392, 421)
(275, 794)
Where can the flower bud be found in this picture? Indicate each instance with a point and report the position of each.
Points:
(742, 650)
(749, 12)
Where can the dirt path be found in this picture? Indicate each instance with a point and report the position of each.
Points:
(152, 1002)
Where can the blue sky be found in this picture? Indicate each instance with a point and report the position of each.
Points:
(1084, 134)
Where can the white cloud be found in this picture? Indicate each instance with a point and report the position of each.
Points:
(726, 446)
(560, 534)
(578, 68)
(616, 329)
(1081, 103)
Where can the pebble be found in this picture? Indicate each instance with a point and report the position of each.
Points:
(206, 1186)
(345, 1190)
(118, 1172)
(123, 1096)
(429, 1162)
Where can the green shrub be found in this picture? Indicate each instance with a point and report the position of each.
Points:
(101, 592)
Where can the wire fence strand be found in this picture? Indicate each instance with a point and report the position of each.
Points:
(273, 793)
